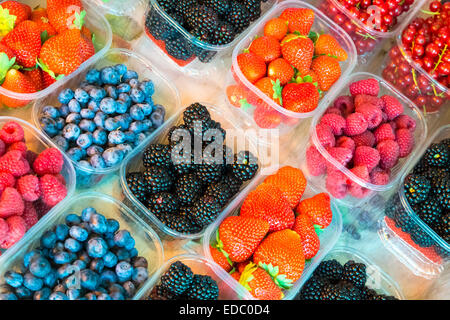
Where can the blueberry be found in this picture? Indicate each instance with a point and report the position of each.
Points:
(91, 296)
(160, 109)
(85, 140)
(124, 121)
(123, 88)
(98, 223)
(99, 119)
(76, 154)
(137, 127)
(40, 267)
(97, 247)
(150, 101)
(137, 96)
(73, 117)
(110, 76)
(13, 279)
(130, 136)
(113, 156)
(140, 262)
(8, 296)
(60, 123)
(157, 119)
(100, 137)
(87, 113)
(82, 96)
(89, 279)
(72, 245)
(30, 256)
(137, 113)
(93, 76)
(125, 98)
(86, 86)
(62, 257)
(71, 132)
(116, 295)
(111, 91)
(147, 87)
(134, 83)
(125, 147)
(32, 282)
(104, 296)
(123, 239)
(97, 265)
(42, 294)
(122, 254)
(130, 74)
(146, 108)
(64, 110)
(133, 252)
(130, 289)
(108, 105)
(112, 225)
(147, 124)
(94, 106)
(140, 137)
(92, 150)
(23, 293)
(79, 264)
(87, 125)
(97, 94)
(48, 239)
(65, 271)
(73, 294)
(97, 161)
(74, 106)
(49, 126)
(50, 111)
(121, 107)
(121, 69)
(65, 96)
(111, 124)
(124, 271)
(61, 231)
(116, 137)
(78, 233)
(58, 296)
(140, 274)
(61, 142)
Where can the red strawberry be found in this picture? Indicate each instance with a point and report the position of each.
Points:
(281, 70)
(299, 19)
(266, 47)
(41, 18)
(16, 81)
(62, 13)
(220, 259)
(28, 187)
(7, 51)
(317, 208)
(270, 88)
(252, 66)
(291, 182)
(300, 97)
(310, 240)
(20, 10)
(327, 69)
(299, 53)
(13, 162)
(367, 86)
(328, 45)
(259, 283)
(53, 191)
(49, 161)
(266, 117)
(30, 215)
(276, 28)
(11, 203)
(35, 77)
(17, 228)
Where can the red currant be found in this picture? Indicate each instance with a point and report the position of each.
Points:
(435, 6)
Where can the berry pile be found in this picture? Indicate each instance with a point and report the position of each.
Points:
(108, 115)
(30, 184)
(180, 283)
(366, 134)
(427, 42)
(41, 46)
(266, 245)
(85, 258)
(333, 281)
(185, 193)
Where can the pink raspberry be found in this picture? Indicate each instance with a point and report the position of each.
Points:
(384, 117)
(384, 132)
(325, 136)
(361, 99)
(41, 208)
(405, 140)
(17, 228)
(366, 156)
(28, 187)
(393, 125)
(389, 152)
(341, 155)
(335, 122)
(316, 163)
(53, 191)
(379, 176)
(31, 156)
(364, 139)
(2, 148)
(345, 104)
(372, 114)
(4, 229)
(30, 215)
(61, 178)
(333, 110)
(336, 184)
(50, 161)
(14, 163)
(355, 124)
(355, 189)
(11, 203)
(12, 132)
(392, 107)
(405, 122)
(19, 146)
(346, 142)
(366, 86)
(6, 180)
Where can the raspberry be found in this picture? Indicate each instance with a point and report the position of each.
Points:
(28, 187)
(41, 208)
(372, 114)
(325, 136)
(345, 104)
(31, 156)
(355, 189)
(405, 140)
(17, 228)
(11, 132)
(384, 132)
(2, 148)
(3, 230)
(393, 125)
(355, 124)
(366, 156)
(11, 203)
(336, 184)
(346, 142)
(53, 191)
(333, 110)
(405, 122)
(19, 146)
(335, 122)
(393, 108)
(389, 153)
(61, 178)
(379, 176)
(362, 99)
(6, 180)
(315, 162)
(50, 161)
(30, 215)
(370, 87)
(364, 139)
(341, 155)
(14, 163)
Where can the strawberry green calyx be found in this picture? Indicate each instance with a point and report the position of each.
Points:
(280, 279)
(7, 22)
(313, 36)
(318, 229)
(79, 19)
(219, 246)
(247, 275)
(245, 105)
(5, 65)
(44, 68)
(277, 90)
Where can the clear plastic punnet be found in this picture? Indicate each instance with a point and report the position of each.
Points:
(404, 233)
(261, 111)
(328, 238)
(198, 55)
(369, 189)
(98, 25)
(148, 243)
(166, 94)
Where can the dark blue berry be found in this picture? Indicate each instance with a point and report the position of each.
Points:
(121, 107)
(71, 132)
(87, 113)
(76, 154)
(93, 77)
(89, 279)
(40, 267)
(97, 161)
(116, 137)
(61, 142)
(113, 156)
(98, 223)
(100, 137)
(58, 296)
(97, 94)
(13, 279)
(124, 271)
(137, 96)
(97, 247)
(85, 140)
(111, 124)
(50, 111)
(130, 74)
(99, 119)
(147, 87)
(65, 96)
(42, 294)
(108, 105)
(49, 126)
(74, 106)
(32, 282)
(110, 76)
(73, 117)
(92, 150)
(121, 69)
(87, 125)
(48, 239)
(78, 233)
(82, 96)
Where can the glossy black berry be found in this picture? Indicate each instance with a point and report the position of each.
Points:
(437, 155)
(158, 179)
(163, 203)
(137, 186)
(203, 288)
(206, 210)
(416, 188)
(188, 189)
(157, 155)
(355, 273)
(178, 278)
(238, 16)
(245, 166)
(331, 270)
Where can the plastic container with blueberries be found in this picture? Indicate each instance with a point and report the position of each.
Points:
(166, 94)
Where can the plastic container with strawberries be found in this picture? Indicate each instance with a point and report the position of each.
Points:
(277, 95)
(418, 64)
(364, 141)
(416, 222)
(370, 23)
(98, 28)
(190, 40)
(161, 92)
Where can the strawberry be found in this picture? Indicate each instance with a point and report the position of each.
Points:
(270, 88)
(310, 240)
(7, 51)
(266, 117)
(252, 66)
(11, 203)
(63, 13)
(281, 70)
(300, 97)
(47, 79)
(299, 19)
(20, 11)
(220, 259)
(259, 283)
(236, 275)
(328, 45)
(327, 69)
(25, 42)
(35, 77)
(268, 203)
(299, 53)
(239, 96)
(317, 208)
(266, 47)
(277, 28)
(17, 82)
(291, 182)
(281, 255)
(238, 237)
(40, 16)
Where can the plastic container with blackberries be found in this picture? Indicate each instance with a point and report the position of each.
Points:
(416, 225)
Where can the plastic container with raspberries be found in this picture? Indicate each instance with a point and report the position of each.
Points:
(416, 225)
(191, 35)
(179, 190)
(284, 68)
(35, 177)
(92, 248)
(364, 141)
(21, 95)
(99, 124)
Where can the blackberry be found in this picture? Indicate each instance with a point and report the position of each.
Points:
(245, 166)
(188, 188)
(179, 48)
(209, 173)
(223, 34)
(312, 288)
(205, 56)
(163, 203)
(157, 179)
(254, 8)
(220, 132)
(203, 288)
(161, 293)
(176, 134)
(196, 112)
(205, 210)
(355, 273)
(340, 291)
(158, 27)
(157, 155)
(238, 16)
(331, 270)
(201, 34)
(182, 6)
(403, 220)
(443, 227)
(416, 188)
(233, 183)
(434, 174)
(221, 7)
(421, 238)
(437, 155)
(178, 278)
(137, 186)
(167, 5)
(219, 191)
(421, 167)
(429, 212)
(442, 191)
(201, 16)
(368, 294)
(179, 18)
(180, 223)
